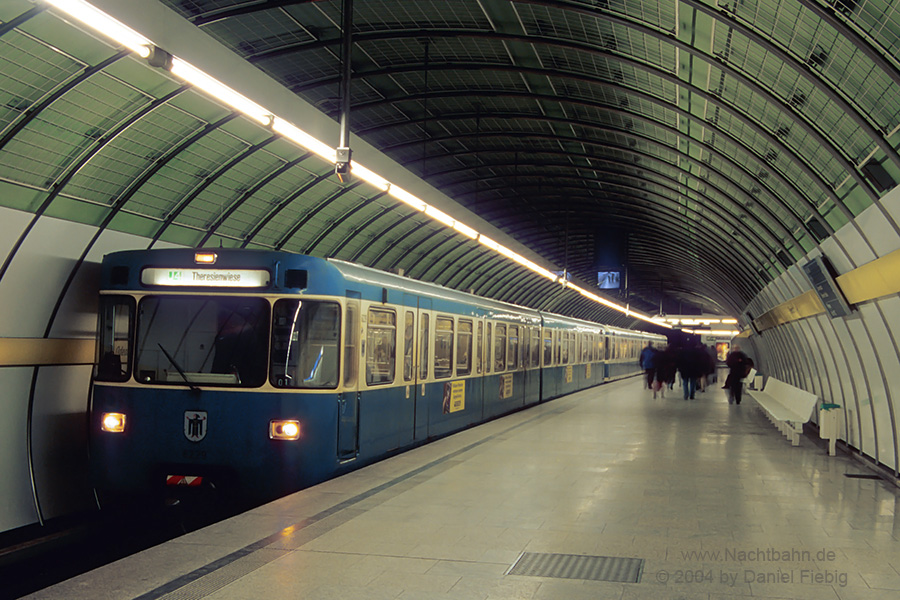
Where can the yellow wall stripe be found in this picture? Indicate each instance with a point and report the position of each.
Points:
(881, 277)
(801, 307)
(875, 279)
(19, 352)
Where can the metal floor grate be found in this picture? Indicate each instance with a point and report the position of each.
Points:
(574, 566)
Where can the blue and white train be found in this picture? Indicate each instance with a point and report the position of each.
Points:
(264, 372)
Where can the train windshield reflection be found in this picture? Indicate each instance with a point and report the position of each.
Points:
(205, 340)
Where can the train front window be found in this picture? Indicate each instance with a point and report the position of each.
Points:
(305, 335)
(202, 340)
(114, 344)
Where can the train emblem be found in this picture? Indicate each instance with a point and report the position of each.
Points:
(195, 425)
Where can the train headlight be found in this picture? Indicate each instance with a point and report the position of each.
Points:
(284, 430)
(113, 422)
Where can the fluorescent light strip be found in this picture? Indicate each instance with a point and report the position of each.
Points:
(217, 89)
(439, 215)
(370, 176)
(300, 137)
(106, 25)
(405, 197)
(465, 230)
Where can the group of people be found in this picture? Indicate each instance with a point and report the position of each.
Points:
(696, 364)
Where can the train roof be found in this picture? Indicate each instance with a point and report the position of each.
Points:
(333, 269)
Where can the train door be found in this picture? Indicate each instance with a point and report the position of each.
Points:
(531, 359)
(348, 400)
(421, 364)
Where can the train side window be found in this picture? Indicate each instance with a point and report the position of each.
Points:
(381, 342)
(351, 342)
(512, 357)
(557, 347)
(116, 329)
(526, 347)
(548, 347)
(573, 357)
(564, 348)
(535, 347)
(499, 348)
(443, 347)
(409, 328)
(487, 349)
(424, 324)
(479, 348)
(464, 348)
(305, 336)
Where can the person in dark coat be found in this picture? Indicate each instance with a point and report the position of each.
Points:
(708, 367)
(691, 366)
(665, 371)
(738, 365)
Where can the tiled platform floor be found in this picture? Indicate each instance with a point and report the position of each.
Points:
(715, 501)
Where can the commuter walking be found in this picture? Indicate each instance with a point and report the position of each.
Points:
(690, 367)
(739, 364)
(665, 371)
(648, 364)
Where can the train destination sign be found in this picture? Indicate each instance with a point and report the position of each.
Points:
(243, 278)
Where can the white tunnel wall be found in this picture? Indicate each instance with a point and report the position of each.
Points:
(852, 361)
(59, 404)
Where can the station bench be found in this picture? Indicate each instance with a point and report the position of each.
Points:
(786, 406)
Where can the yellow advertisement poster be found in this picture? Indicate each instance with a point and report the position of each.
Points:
(569, 374)
(454, 396)
(587, 371)
(506, 386)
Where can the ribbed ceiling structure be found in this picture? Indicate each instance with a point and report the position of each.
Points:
(719, 142)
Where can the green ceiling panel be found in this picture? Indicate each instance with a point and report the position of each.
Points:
(718, 129)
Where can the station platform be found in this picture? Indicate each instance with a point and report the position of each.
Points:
(606, 493)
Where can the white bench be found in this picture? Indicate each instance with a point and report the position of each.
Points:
(786, 406)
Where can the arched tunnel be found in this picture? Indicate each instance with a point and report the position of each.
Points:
(716, 150)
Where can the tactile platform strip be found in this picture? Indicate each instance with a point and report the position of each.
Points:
(575, 566)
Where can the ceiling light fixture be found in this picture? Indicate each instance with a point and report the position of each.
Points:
(102, 23)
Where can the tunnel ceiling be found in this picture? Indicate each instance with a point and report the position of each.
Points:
(719, 142)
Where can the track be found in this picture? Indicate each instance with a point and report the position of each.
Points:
(38, 557)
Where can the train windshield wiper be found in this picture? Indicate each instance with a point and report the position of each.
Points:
(179, 369)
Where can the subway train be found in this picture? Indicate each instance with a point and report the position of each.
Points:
(257, 373)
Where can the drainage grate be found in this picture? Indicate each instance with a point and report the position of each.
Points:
(861, 476)
(574, 566)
